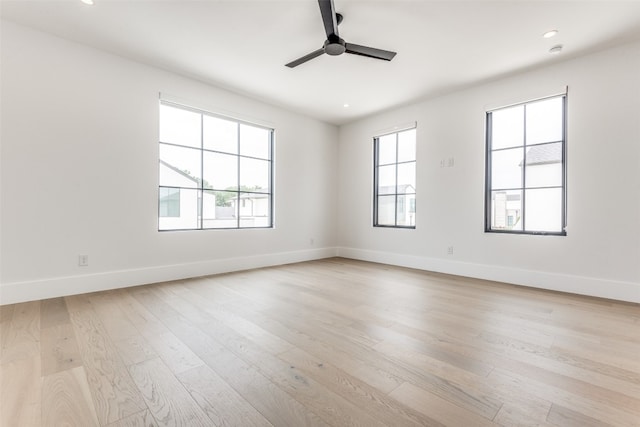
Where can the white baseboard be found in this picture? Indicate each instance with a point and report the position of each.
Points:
(602, 288)
(16, 292)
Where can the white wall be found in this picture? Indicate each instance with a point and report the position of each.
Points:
(601, 253)
(79, 175)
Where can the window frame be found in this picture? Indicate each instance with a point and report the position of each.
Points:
(376, 166)
(200, 188)
(488, 170)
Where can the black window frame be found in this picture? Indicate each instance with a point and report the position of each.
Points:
(376, 166)
(523, 188)
(200, 188)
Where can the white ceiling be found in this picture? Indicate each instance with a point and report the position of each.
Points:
(243, 45)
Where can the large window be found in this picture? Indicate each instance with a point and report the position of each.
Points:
(394, 202)
(526, 163)
(215, 172)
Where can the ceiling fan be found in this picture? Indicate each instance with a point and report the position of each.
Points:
(334, 45)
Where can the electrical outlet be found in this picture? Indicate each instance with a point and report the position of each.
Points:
(83, 260)
(450, 162)
(450, 250)
(312, 241)
(442, 163)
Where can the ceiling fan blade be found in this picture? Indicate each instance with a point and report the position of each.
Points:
(305, 58)
(329, 19)
(371, 52)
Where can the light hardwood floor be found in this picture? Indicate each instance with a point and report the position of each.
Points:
(325, 343)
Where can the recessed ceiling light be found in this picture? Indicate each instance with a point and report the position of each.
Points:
(89, 2)
(345, 105)
(550, 34)
(556, 49)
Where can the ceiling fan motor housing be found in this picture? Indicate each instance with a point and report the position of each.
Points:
(334, 46)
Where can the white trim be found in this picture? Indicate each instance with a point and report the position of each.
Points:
(396, 129)
(590, 286)
(525, 99)
(16, 292)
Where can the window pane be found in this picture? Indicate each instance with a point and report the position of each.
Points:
(543, 210)
(219, 209)
(387, 149)
(178, 126)
(507, 127)
(407, 177)
(544, 121)
(187, 217)
(254, 210)
(179, 166)
(544, 165)
(220, 171)
(506, 169)
(386, 210)
(254, 141)
(254, 175)
(506, 210)
(407, 145)
(387, 179)
(220, 135)
(169, 202)
(405, 210)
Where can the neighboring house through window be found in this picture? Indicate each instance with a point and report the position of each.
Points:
(169, 202)
(210, 169)
(394, 201)
(526, 163)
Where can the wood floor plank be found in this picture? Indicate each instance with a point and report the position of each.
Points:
(79, 302)
(447, 377)
(378, 404)
(135, 349)
(114, 393)
(192, 302)
(625, 417)
(175, 354)
(59, 349)
(523, 415)
(564, 417)
(367, 356)
(438, 408)
(278, 407)
(67, 399)
(169, 403)
(6, 314)
(137, 314)
(112, 317)
(21, 393)
(322, 401)
(53, 312)
(22, 340)
(58, 345)
(141, 419)
(348, 362)
(219, 400)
